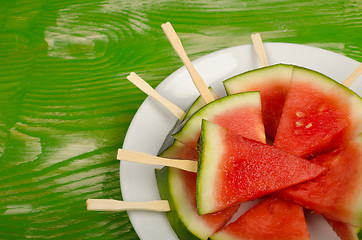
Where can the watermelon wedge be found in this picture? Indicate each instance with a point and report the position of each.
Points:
(273, 83)
(179, 188)
(272, 219)
(346, 231)
(336, 194)
(240, 112)
(319, 114)
(233, 169)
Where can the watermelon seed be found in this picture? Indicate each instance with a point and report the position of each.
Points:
(299, 124)
(300, 114)
(308, 125)
(322, 108)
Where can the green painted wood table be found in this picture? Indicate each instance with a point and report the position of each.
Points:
(66, 104)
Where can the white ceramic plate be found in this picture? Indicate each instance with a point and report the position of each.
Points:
(152, 121)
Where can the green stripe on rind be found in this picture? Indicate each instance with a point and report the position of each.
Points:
(193, 125)
(239, 82)
(173, 217)
(208, 165)
(199, 103)
(358, 232)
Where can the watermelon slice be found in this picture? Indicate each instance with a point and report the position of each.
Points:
(346, 231)
(272, 219)
(336, 194)
(273, 83)
(240, 112)
(179, 188)
(319, 115)
(233, 169)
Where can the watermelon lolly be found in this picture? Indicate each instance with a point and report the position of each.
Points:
(233, 169)
(319, 114)
(179, 187)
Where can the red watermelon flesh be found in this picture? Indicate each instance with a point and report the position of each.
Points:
(273, 83)
(337, 193)
(233, 169)
(319, 115)
(345, 231)
(272, 219)
(179, 188)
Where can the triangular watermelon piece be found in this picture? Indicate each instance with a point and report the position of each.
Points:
(233, 169)
(179, 188)
(273, 83)
(337, 194)
(240, 112)
(271, 219)
(319, 114)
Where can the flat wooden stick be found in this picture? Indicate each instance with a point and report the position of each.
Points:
(144, 158)
(146, 88)
(259, 48)
(196, 78)
(116, 206)
(348, 82)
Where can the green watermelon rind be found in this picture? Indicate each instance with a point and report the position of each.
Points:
(206, 172)
(199, 103)
(240, 82)
(174, 218)
(358, 233)
(193, 125)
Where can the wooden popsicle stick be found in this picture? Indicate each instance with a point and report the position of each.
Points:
(353, 76)
(144, 158)
(146, 88)
(259, 48)
(196, 77)
(115, 205)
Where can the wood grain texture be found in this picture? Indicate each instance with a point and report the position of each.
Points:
(66, 104)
